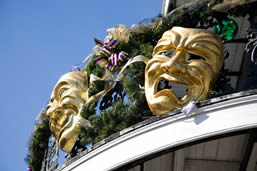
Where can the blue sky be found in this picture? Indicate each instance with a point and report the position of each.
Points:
(39, 41)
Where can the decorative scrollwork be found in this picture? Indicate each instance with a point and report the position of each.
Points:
(50, 162)
(251, 46)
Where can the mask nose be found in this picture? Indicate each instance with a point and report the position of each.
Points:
(175, 64)
(53, 111)
(48, 110)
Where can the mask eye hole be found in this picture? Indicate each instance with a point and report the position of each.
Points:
(168, 54)
(52, 100)
(195, 57)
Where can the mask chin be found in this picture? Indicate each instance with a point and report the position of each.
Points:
(69, 135)
(66, 143)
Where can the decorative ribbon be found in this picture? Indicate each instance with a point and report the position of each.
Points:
(108, 77)
(110, 56)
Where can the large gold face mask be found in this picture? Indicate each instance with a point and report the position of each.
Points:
(184, 66)
(68, 96)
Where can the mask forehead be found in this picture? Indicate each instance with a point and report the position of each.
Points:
(197, 41)
(169, 40)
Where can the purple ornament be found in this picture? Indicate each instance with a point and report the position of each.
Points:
(29, 169)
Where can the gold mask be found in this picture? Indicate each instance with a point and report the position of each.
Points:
(68, 96)
(184, 66)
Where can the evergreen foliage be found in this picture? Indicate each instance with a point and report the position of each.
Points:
(93, 68)
(95, 87)
(39, 144)
(117, 113)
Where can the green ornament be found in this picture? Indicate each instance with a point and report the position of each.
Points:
(228, 27)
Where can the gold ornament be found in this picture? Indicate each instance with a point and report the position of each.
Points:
(63, 110)
(184, 67)
(120, 33)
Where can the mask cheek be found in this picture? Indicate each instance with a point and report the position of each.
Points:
(207, 77)
(71, 104)
(204, 70)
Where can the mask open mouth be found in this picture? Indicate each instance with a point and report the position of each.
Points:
(67, 120)
(180, 90)
(66, 124)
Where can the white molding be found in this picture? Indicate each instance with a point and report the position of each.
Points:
(215, 119)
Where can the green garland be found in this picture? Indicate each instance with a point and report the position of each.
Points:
(39, 143)
(119, 114)
(126, 105)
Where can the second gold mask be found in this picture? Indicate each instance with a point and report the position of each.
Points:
(63, 110)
